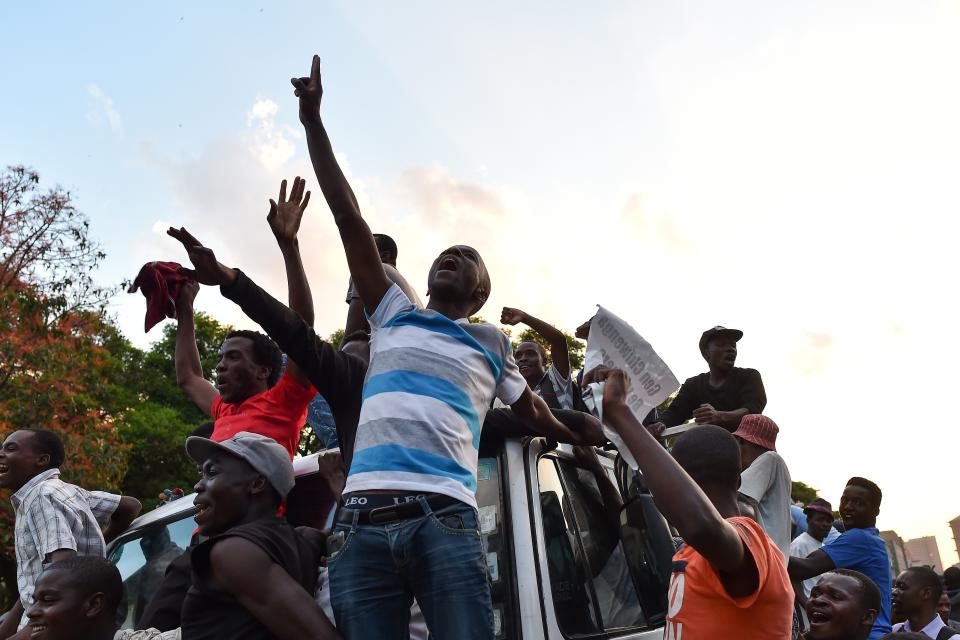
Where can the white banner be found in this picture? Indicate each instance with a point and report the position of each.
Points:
(614, 343)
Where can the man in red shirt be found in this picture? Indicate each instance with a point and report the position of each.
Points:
(250, 394)
(729, 579)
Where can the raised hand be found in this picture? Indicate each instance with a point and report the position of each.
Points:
(188, 293)
(310, 91)
(583, 331)
(285, 215)
(615, 389)
(511, 316)
(207, 270)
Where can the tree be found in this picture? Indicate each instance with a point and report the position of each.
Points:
(802, 493)
(53, 366)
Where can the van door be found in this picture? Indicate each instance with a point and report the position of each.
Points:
(585, 581)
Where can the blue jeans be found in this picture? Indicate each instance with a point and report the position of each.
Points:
(437, 557)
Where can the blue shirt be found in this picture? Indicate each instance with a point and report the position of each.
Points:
(864, 550)
(428, 387)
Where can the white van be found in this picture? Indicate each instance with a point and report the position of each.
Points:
(565, 561)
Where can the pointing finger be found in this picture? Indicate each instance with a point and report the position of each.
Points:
(283, 192)
(315, 69)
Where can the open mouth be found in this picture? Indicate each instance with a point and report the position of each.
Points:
(447, 264)
(203, 512)
(37, 629)
(819, 617)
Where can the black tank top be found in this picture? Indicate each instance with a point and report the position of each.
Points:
(211, 614)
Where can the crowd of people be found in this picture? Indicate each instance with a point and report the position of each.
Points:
(410, 389)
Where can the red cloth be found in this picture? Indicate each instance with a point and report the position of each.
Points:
(160, 284)
(279, 413)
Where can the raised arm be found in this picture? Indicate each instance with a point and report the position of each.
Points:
(333, 373)
(678, 497)
(186, 357)
(358, 243)
(126, 511)
(536, 415)
(284, 219)
(268, 592)
(559, 353)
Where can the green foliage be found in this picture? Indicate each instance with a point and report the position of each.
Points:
(335, 339)
(162, 416)
(157, 459)
(54, 370)
(802, 493)
(668, 400)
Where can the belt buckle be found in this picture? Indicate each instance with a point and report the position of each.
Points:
(389, 513)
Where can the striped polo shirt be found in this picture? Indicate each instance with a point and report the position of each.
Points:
(428, 387)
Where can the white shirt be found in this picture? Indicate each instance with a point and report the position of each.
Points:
(767, 482)
(802, 546)
(52, 515)
(931, 630)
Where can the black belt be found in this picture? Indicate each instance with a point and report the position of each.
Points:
(393, 513)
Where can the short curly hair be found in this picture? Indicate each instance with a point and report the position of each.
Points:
(49, 442)
(266, 353)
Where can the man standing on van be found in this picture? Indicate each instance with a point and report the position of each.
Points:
(724, 394)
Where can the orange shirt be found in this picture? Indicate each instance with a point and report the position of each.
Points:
(279, 413)
(699, 608)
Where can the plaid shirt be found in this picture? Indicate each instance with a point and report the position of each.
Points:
(52, 515)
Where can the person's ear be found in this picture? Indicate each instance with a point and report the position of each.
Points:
(258, 484)
(868, 618)
(263, 373)
(480, 296)
(94, 605)
(43, 460)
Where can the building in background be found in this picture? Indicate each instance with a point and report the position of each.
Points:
(955, 527)
(923, 552)
(896, 551)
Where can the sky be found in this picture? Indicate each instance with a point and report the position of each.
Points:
(786, 168)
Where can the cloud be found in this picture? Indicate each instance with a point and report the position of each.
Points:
(269, 143)
(658, 228)
(101, 107)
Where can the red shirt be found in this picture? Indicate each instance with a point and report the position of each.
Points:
(699, 608)
(279, 413)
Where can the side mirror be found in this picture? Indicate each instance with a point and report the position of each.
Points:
(649, 549)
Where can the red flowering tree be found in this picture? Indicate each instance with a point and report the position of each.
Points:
(54, 369)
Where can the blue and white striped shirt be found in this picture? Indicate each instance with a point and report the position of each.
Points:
(428, 387)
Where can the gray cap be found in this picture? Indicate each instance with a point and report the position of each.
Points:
(267, 457)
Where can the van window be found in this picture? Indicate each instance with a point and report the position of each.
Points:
(143, 561)
(590, 582)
